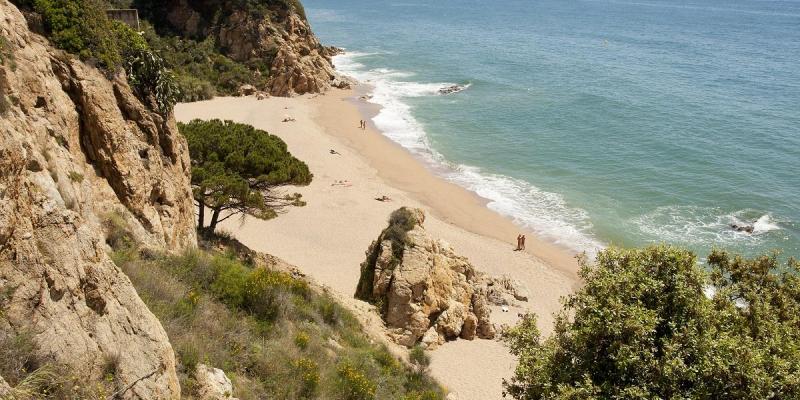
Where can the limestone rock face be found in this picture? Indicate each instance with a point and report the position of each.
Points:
(427, 292)
(75, 146)
(5, 390)
(213, 384)
(277, 37)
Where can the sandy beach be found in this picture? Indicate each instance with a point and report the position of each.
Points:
(327, 238)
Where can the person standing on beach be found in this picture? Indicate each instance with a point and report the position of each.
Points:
(519, 243)
(522, 241)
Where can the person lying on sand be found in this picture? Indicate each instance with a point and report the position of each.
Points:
(383, 198)
(344, 183)
(335, 152)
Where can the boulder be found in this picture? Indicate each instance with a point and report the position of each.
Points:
(213, 384)
(247, 90)
(426, 292)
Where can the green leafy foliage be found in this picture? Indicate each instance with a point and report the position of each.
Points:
(418, 357)
(237, 169)
(201, 71)
(645, 327)
(79, 27)
(151, 80)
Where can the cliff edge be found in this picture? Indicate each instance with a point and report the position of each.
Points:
(76, 146)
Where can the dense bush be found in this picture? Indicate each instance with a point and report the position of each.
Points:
(79, 27)
(646, 326)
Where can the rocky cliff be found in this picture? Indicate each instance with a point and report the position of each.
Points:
(267, 33)
(426, 292)
(75, 147)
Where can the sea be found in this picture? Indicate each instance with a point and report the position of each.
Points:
(594, 122)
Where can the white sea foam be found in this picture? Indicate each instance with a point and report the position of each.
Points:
(765, 224)
(692, 225)
(543, 212)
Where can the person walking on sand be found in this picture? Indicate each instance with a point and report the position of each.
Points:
(522, 242)
(519, 243)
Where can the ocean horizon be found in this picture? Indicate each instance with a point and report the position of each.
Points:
(594, 123)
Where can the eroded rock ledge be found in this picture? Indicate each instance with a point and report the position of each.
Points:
(426, 292)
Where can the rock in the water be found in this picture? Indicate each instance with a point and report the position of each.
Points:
(452, 89)
(427, 292)
(75, 146)
(213, 384)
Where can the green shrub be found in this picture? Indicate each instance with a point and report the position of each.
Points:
(17, 353)
(189, 357)
(403, 218)
(329, 310)
(152, 82)
(80, 27)
(301, 340)
(75, 176)
(118, 234)
(192, 88)
(644, 326)
(417, 356)
(308, 372)
(353, 384)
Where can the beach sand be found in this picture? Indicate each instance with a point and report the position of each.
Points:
(327, 238)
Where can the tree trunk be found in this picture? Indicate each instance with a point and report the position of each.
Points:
(214, 218)
(201, 218)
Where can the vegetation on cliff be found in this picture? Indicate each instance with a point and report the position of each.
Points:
(647, 324)
(81, 27)
(172, 64)
(238, 169)
(273, 334)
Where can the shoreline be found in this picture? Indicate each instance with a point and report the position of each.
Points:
(486, 223)
(327, 238)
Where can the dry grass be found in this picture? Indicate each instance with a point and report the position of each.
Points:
(272, 335)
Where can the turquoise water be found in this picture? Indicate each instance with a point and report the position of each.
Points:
(595, 122)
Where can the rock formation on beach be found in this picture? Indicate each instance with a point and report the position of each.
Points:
(425, 291)
(76, 146)
(269, 33)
